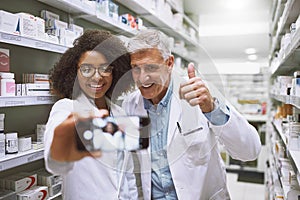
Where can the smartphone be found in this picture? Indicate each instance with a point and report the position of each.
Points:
(129, 133)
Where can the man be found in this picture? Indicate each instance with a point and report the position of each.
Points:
(183, 161)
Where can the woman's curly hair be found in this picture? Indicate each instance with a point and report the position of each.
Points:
(64, 73)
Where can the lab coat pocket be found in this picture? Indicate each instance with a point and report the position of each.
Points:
(198, 146)
(220, 195)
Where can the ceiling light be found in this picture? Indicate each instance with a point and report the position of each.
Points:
(250, 51)
(234, 4)
(252, 57)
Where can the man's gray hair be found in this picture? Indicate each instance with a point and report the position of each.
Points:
(150, 38)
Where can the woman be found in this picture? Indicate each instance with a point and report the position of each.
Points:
(84, 79)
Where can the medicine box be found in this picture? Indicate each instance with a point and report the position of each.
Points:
(48, 179)
(27, 25)
(34, 193)
(24, 143)
(4, 60)
(20, 182)
(37, 89)
(8, 22)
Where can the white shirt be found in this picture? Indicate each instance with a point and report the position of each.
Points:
(88, 178)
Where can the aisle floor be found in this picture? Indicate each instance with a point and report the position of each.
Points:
(243, 190)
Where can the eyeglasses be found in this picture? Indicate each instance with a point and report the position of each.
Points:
(88, 70)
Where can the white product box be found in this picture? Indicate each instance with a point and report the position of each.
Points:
(37, 89)
(34, 193)
(19, 89)
(45, 14)
(8, 22)
(55, 189)
(78, 30)
(4, 60)
(40, 28)
(48, 179)
(37, 145)
(40, 131)
(24, 143)
(27, 25)
(69, 38)
(55, 27)
(20, 182)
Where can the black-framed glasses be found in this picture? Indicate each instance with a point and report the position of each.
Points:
(88, 70)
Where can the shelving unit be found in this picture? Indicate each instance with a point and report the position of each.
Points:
(26, 101)
(21, 158)
(284, 63)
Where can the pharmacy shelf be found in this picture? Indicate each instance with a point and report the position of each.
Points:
(55, 196)
(14, 160)
(278, 12)
(291, 58)
(185, 57)
(278, 127)
(84, 11)
(293, 100)
(151, 16)
(256, 118)
(31, 43)
(26, 101)
(289, 16)
(282, 98)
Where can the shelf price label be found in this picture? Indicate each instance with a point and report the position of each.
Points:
(10, 37)
(14, 103)
(35, 156)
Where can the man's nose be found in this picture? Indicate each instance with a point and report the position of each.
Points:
(144, 76)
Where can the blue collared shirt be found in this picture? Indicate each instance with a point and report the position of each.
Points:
(162, 186)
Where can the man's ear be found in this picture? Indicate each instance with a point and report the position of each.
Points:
(170, 62)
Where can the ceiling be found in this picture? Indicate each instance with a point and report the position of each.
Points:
(228, 27)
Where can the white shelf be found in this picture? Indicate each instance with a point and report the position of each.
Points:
(285, 21)
(278, 12)
(31, 43)
(277, 124)
(282, 98)
(152, 17)
(256, 118)
(84, 11)
(53, 197)
(14, 160)
(291, 57)
(26, 101)
(295, 155)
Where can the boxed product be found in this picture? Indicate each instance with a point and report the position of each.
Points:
(48, 179)
(20, 181)
(4, 60)
(40, 28)
(55, 189)
(34, 193)
(45, 14)
(27, 25)
(8, 22)
(37, 145)
(78, 30)
(24, 144)
(37, 89)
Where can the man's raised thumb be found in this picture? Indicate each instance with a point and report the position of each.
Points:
(191, 70)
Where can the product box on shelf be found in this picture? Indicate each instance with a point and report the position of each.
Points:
(27, 25)
(48, 179)
(40, 28)
(55, 189)
(36, 89)
(34, 193)
(21, 181)
(78, 30)
(46, 15)
(4, 60)
(24, 144)
(8, 22)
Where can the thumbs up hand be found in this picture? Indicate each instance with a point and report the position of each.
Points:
(195, 92)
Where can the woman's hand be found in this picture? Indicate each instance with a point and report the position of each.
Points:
(64, 146)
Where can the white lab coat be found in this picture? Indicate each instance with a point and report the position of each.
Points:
(197, 169)
(88, 178)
